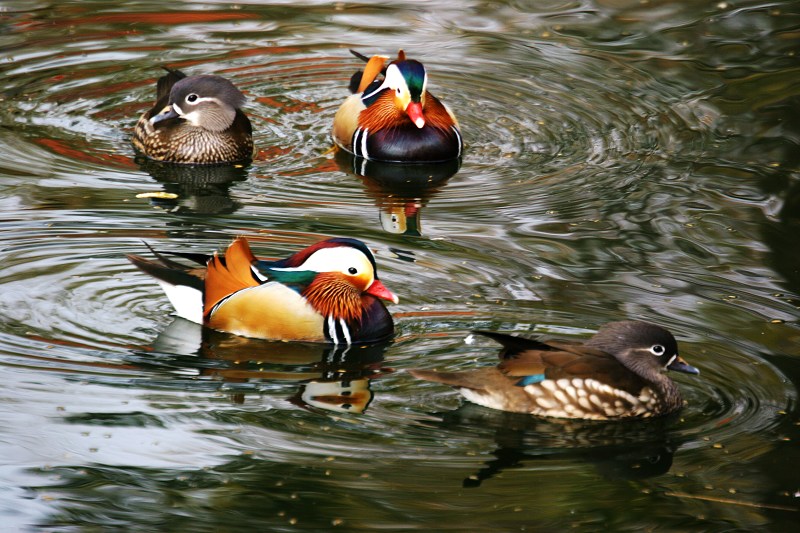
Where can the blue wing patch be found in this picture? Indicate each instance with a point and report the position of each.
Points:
(530, 380)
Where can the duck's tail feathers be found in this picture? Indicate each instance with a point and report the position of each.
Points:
(513, 344)
(200, 259)
(229, 273)
(184, 289)
(376, 65)
(454, 379)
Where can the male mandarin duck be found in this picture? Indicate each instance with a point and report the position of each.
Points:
(196, 120)
(328, 292)
(395, 118)
(618, 373)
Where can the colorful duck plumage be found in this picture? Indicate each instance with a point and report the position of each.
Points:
(618, 373)
(395, 118)
(196, 120)
(328, 292)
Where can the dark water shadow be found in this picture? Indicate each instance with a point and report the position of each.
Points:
(334, 378)
(198, 189)
(782, 235)
(634, 449)
(399, 190)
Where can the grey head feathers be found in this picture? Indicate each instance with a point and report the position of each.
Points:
(646, 349)
(616, 338)
(207, 86)
(206, 101)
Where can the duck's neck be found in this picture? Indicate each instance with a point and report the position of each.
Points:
(382, 113)
(667, 391)
(333, 297)
(669, 397)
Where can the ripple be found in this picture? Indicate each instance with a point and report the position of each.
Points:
(735, 394)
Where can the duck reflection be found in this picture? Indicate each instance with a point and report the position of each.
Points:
(400, 190)
(335, 378)
(198, 189)
(619, 450)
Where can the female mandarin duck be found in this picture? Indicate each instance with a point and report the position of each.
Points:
(618, 373)
(196, 120)
(328, 292)
(396, 118)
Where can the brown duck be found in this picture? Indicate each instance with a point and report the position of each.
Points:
(618, 373)
(196, 120)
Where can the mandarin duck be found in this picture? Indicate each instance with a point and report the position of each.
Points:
(618, 373)
(394, 117)
(328, 292)
(196, 120)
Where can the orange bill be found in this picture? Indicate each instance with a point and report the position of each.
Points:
(379, 290)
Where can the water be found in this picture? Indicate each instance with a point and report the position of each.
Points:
(623, 160)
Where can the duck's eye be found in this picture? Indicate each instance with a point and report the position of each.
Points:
(192, 98)
(657, 350)
(398, 91)
(353, 270)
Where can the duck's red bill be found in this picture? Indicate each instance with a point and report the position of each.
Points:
(414, 112)
(379, 290)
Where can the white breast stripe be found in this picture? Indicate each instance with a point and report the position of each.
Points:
(332, 330)
(358, 136)
(355, 140)
(364, 153)
(460, 142)
(345, 331)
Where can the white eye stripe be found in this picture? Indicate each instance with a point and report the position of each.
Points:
(339, 259)
(393, 80)
(201, 99)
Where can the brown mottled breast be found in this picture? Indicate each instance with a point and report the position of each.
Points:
(177, 141)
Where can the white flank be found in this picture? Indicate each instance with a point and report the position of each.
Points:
(188, 302)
